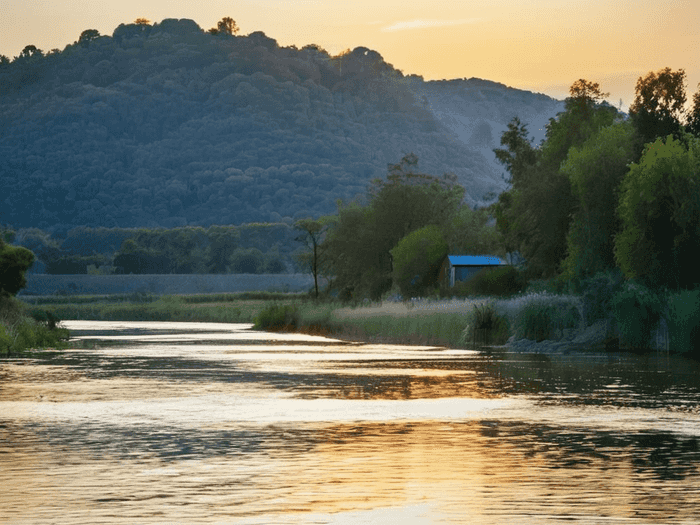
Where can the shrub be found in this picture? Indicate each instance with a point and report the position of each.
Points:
(597, 293)
(636, 311)
(499, 282)
(276, 317)
(683, 318)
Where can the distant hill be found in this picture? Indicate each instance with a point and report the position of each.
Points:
(168, 125)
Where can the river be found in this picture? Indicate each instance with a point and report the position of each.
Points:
(216, 423)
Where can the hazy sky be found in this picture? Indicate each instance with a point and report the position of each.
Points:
(540, 45)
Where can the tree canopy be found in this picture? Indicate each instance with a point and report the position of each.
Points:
(14, 263)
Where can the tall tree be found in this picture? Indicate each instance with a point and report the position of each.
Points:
(660, 213)
(534, 215)
(659, 104)
(595, 171)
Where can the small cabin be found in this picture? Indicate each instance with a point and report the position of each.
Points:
(464, 267)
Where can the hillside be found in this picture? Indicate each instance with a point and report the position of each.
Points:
(167, 125)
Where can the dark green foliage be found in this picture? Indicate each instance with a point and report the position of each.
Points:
(360, 242)
(249, 260)
(536, 321)
(501, 282)
(535, 214)
(659, 105)
(417, 259)
(277, 317)
(14, 263)
(636, 310)
(660, 214)
(596, 170)
(597, 293)
(683, 320)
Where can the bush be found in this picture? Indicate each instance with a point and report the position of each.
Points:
(276, 317)
(637, 311)
(597, 293)
(498, 282)
(683, 318)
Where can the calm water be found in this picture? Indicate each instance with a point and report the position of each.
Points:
(212, 423)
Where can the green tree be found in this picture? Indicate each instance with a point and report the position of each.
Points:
(360, 242)
(660, 213)
(534, 215)
(595, 171)
(659, 104)
(14, 263)
(417, 259)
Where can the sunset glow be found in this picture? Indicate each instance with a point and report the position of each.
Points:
(543, 45)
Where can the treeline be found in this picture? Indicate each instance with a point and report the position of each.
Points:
(249, 248)
(168, 125)
(394, 238)
(604, 192)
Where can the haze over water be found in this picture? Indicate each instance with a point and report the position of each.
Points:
(204, 423)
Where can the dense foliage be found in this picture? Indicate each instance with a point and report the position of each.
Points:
(365, 233)
(167, 125)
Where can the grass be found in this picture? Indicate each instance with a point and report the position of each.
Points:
(20, 333)
(222, 308)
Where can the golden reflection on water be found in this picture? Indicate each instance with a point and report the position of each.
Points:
(255, 430)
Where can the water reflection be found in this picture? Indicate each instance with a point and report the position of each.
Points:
(256, 428)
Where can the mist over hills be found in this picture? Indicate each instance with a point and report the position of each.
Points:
(167, 125)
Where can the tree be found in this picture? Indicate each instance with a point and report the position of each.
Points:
(693, 119)
(519, 153)
(14, 263)
(313, 232)
(659, 209)
(595, 171)
(659, 104)
(31, 51)
(142, 22)
(359, 244)
(534, 215)
(417, 259)
(88, 36)
(225, 26)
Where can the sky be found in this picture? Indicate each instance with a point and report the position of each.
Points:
(538, 45)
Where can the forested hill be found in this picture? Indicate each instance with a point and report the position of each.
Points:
(167, 125)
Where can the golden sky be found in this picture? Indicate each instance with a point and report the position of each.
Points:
(539, 45)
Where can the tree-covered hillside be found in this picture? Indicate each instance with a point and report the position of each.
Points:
(169, 125)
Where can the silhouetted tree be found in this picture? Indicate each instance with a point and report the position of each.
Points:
(88, 36)
(226, 26)
(31, 51)
(659, 104)
(312, 236)
(142, 21)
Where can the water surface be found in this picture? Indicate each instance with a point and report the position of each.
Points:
(216, 423)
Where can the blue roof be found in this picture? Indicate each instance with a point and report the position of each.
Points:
(475, 260)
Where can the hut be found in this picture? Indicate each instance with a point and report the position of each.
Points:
(463, 267)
